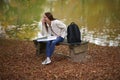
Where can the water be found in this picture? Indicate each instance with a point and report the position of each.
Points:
(99, 21)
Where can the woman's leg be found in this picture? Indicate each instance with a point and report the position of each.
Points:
(53, 43)
(47, 60)
(50, 46)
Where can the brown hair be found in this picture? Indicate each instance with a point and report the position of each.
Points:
(50, 17)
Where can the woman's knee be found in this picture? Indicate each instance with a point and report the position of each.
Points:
(54, 42)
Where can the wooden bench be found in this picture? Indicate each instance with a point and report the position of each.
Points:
(77, 52)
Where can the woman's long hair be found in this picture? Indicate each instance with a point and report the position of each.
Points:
(50, 17)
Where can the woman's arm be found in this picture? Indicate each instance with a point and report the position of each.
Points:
(63, 28)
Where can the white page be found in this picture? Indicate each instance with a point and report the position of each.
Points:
(47, 38)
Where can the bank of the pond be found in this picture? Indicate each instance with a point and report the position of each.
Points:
(19, 62)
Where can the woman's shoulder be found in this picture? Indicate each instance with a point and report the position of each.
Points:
(57, 21)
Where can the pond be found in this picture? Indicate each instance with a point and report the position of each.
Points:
(99, 21)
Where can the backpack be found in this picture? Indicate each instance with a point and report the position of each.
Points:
(73, 34)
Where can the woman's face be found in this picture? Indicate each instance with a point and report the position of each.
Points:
(46, 19)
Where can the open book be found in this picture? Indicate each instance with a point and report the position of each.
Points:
(45, 38)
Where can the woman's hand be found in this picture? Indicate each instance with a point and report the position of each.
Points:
(43, 21)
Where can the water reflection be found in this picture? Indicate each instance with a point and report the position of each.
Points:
(100, 39)
(99, 21)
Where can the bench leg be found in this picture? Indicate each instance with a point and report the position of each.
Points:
(79, 53)
(40, 47)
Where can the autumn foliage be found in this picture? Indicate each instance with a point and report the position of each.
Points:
(18, 61)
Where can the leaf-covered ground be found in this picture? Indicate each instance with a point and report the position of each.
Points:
(18, 61)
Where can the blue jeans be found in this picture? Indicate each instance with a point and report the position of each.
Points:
(50, 46)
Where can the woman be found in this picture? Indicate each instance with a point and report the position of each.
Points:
(52, 27)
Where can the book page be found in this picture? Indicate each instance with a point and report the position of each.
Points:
(47, 38)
